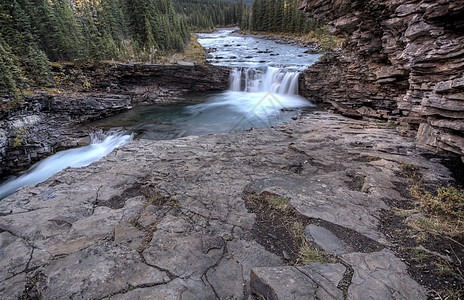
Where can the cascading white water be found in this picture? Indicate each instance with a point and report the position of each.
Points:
(244, 80)
(261, 93)
(235, 79)
(274, 80)
(101, 145)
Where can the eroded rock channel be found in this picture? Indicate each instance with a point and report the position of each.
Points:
(170, 219)
(48, 121)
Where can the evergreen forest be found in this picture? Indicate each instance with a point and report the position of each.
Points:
(35, 32)
(281, 16)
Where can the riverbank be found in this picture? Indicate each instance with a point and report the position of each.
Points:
(193, 217)
(318, 42)
(47, 120)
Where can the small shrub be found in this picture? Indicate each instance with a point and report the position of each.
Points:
(20, 136)
(448, 202)
(444, 208)
(298, 230)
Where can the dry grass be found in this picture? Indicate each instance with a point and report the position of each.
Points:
(326, 41)
(448, 294)
(274, 201)
(309, 253)
(443, 208)
(193, 53)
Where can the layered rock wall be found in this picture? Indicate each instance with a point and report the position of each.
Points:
(156, 83)
(401, 60)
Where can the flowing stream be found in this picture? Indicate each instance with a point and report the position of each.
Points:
(263, 91)
(101, 145)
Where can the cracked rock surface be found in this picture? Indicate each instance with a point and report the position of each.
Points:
(168, 220)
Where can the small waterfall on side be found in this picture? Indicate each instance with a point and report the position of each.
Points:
(235, 79)
(244, 80)
(273, 80)
(101, 145)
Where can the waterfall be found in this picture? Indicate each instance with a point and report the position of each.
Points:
(235, 79)
(273, 80)
(101, 145)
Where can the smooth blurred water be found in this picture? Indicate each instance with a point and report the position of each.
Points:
(216, 113)
(102, 144)
(235, 50)
(263, 92)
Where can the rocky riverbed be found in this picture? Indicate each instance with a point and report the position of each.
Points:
(185, 219)
(48, 120)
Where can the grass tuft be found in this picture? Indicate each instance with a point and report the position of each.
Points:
(274, 201)
(443, 208)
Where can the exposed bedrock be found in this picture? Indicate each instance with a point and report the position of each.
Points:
(47, 121)
(401, 60)
(171, 220)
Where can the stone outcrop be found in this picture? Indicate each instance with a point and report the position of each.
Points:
(47, 121)
(150, 83)
(146, 82)
(169, 219)
(401, 60)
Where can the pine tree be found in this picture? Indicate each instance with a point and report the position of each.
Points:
(36, 62)
(256, 16)
(286, 21)
(278, 15)
(71, 45)
(9, 70)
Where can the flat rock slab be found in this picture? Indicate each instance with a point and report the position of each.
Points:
(297, 282)
(168, 219)
(325, 239)
(381, 275)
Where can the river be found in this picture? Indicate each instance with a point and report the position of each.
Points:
(263, 92)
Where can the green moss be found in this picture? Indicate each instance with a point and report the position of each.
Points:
(20, 136)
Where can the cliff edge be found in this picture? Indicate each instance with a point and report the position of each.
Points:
(401, 60)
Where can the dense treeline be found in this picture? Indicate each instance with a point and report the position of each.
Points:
(264, 15)
(208, 14)
(279, 16)
(34, 32)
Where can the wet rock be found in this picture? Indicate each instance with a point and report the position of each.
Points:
(312, 51)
